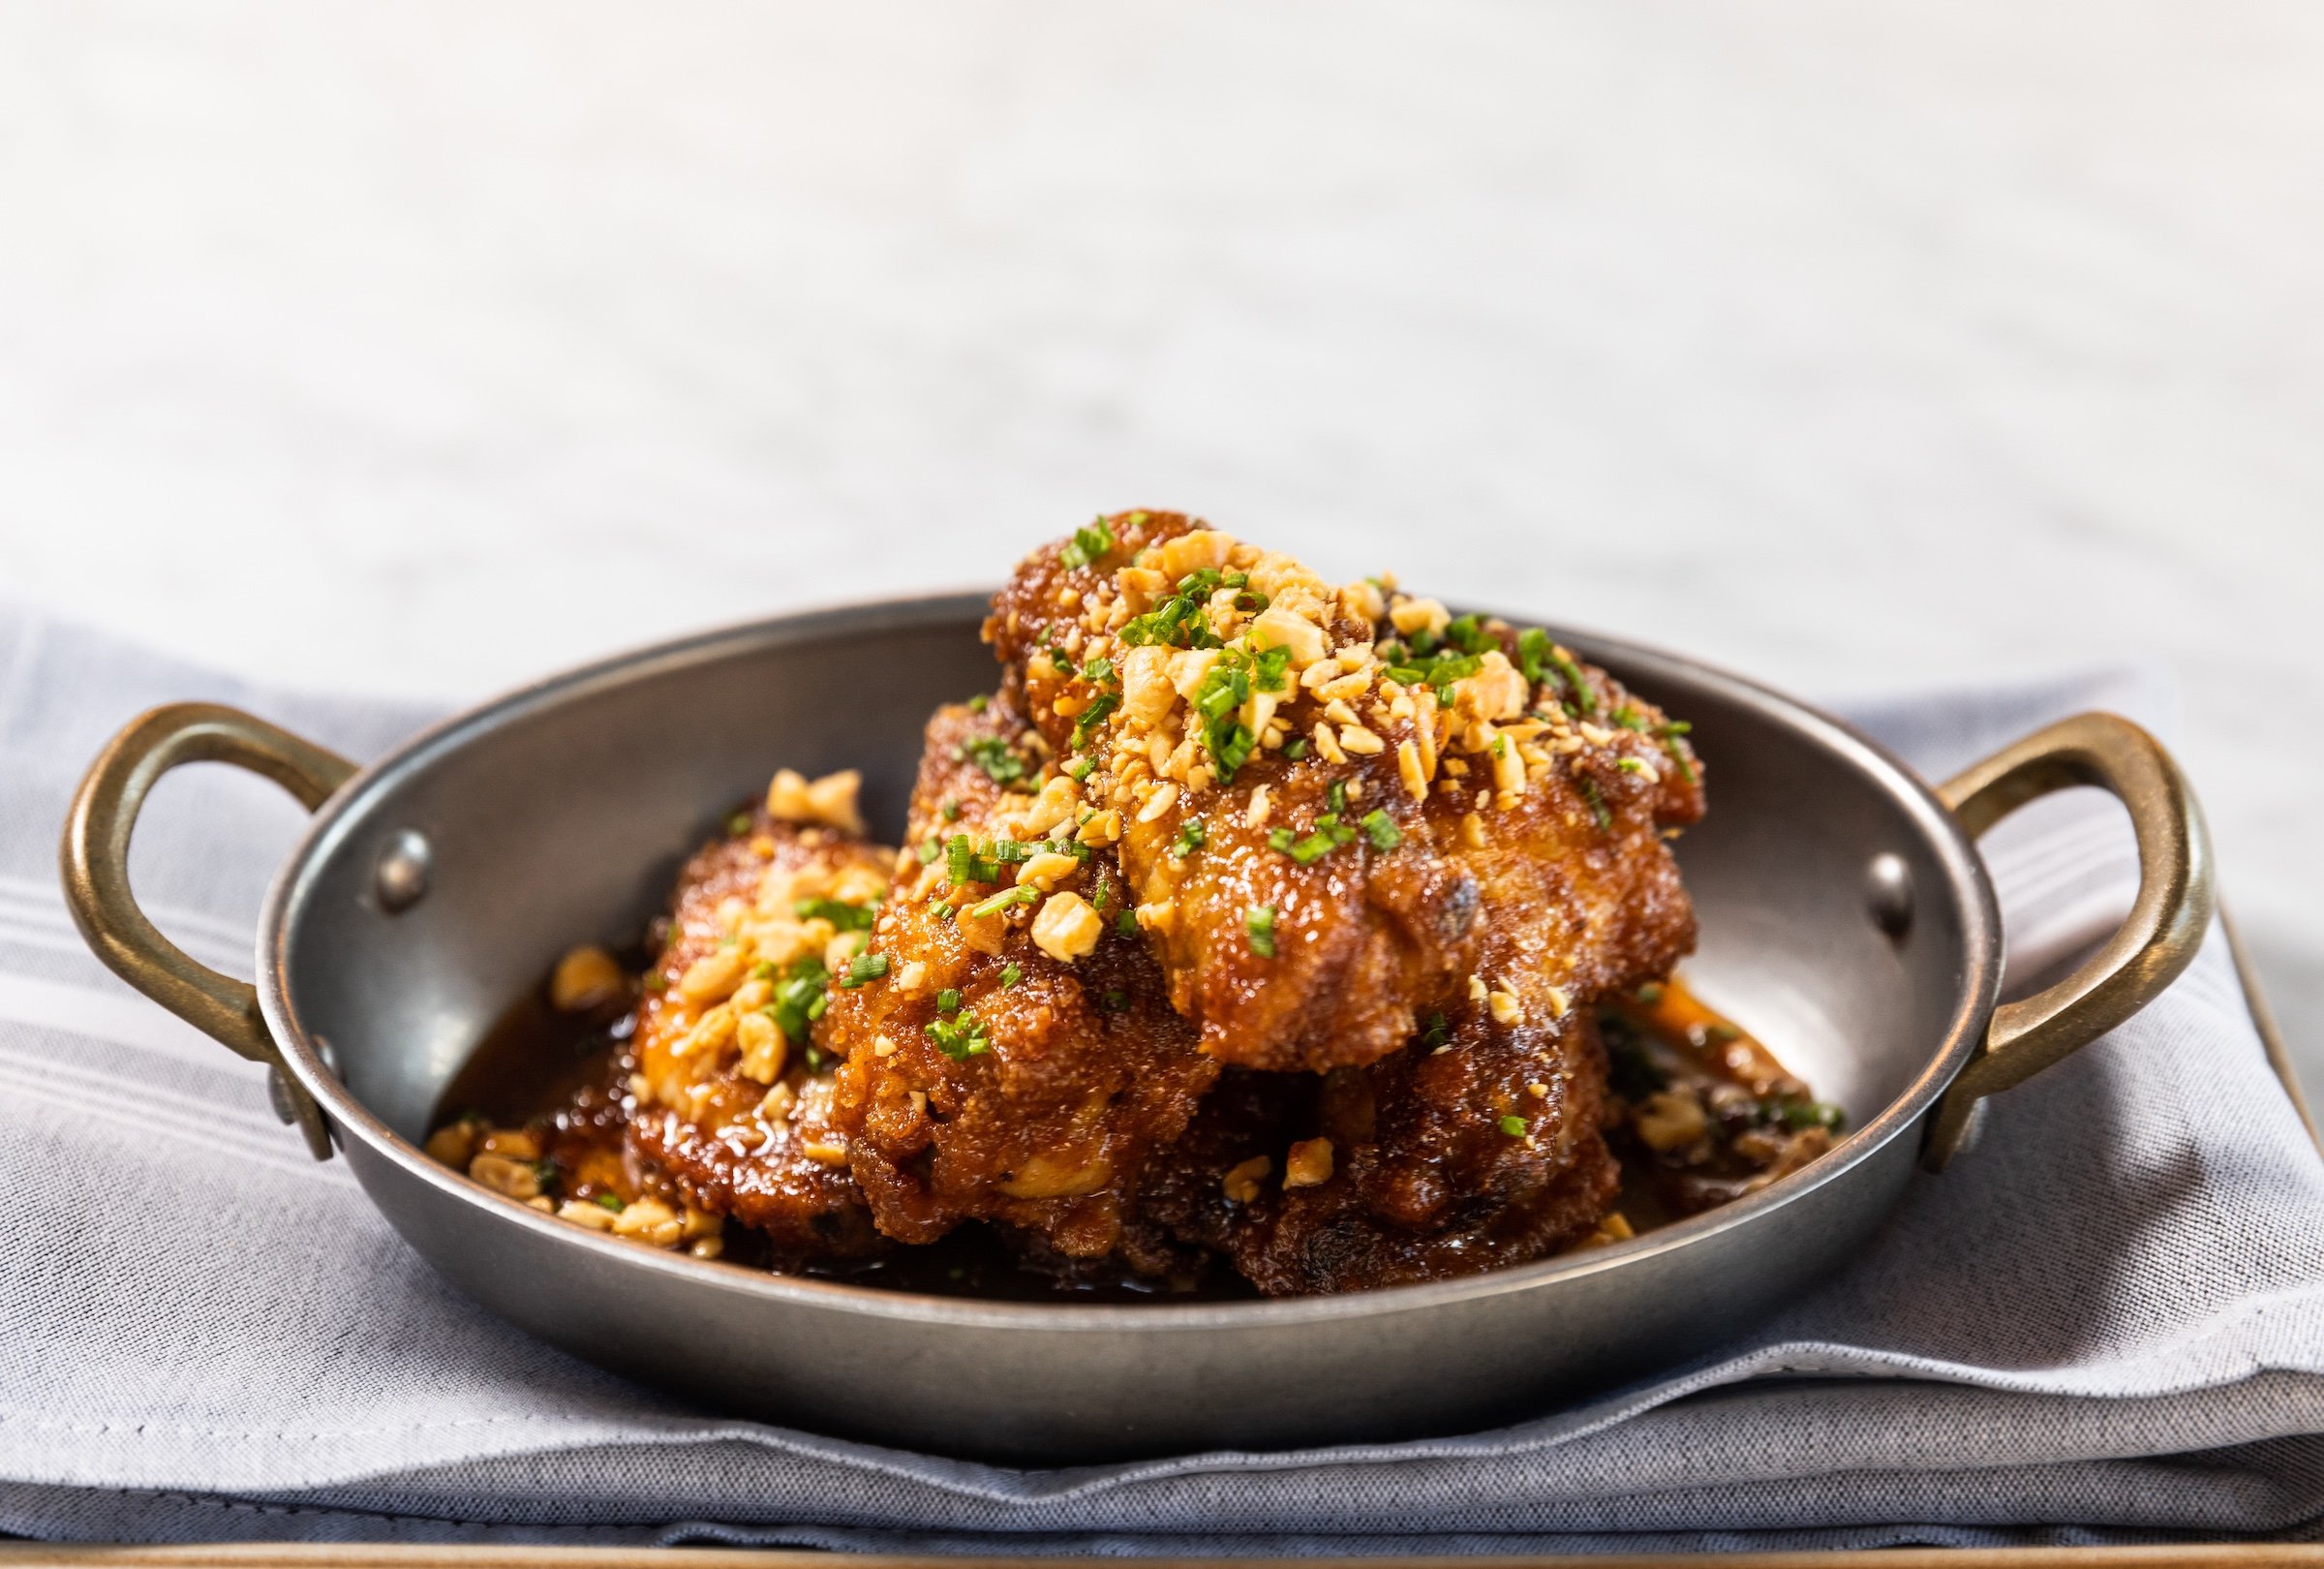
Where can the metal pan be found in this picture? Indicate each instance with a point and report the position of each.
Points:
(1846, 918)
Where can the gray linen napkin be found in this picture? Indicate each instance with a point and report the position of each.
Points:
(2107, 1324)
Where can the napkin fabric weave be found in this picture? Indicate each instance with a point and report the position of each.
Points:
(2106, 1324)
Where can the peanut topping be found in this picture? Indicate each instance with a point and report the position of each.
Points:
(1308, 1164)
(1241, 1183)
(829, 800)
(1067, 928)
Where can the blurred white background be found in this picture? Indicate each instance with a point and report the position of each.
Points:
(421, 349)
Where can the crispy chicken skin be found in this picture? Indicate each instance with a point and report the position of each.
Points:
(1496, 793)
(724, 1099)
(1407, 1170)
(986, 1076)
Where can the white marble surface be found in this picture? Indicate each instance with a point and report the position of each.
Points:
(424, 348)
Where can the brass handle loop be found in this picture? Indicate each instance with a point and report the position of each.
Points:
(95, 860)
(2151, 949)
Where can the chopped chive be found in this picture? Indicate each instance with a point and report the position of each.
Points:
(1259, 921)
(1010, 976)
(842, 917)
(610, 1201)
(1597, 800)
(1385, 835)
(1437, 1032)
(1669, 734)
(952, 810)
(1191, 837)
(1104, 703)
(948, 1000)
(1630, 719)
(1098, 669)
(1337, 796)
(738, 825)
(1296, 748)
(1533, 654)
(978, 703)
(959, 1037)
(865, 966)
(1116, 1002)
(1514, 1126)
(1279, 840)
(1631, 765)
(1003, 899)
(1649, 993)
(930, 848)
(991, 754)
(1086, 545)
(1126, 923)
(1584, 699)
(1080, 768)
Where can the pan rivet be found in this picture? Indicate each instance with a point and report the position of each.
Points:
(278, 1092)
(400, 879)
(1888, 886)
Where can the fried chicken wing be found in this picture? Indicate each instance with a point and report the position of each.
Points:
(1478, 1152)
(731, 1092)
(1019, 1059)
(1340, 806)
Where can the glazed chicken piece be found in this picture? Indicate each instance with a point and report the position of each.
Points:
(1479, 1148)
(1019, 1062)
(731, 1092)
(1342, 806)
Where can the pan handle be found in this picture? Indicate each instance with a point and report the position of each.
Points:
(95, 857)
(2146, 953)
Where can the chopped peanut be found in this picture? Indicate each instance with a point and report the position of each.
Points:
(1308, 1164)
(1067, 928)
(651, 1222)
(714, 975)
(1047, 870)
(584, 978)
(515, 1179)
(1241, 1183)
(829, 800)
(1670, 1120)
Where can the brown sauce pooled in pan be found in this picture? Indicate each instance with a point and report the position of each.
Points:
(1704, 1115)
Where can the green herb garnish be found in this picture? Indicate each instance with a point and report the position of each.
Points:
(1382, 830)
(1104, 703)
(800, 997)
(1259, 921)
(842, 917)
(1003, 899)
(991, 754)
(1086, 545)
(959, 1037)
(1597, 799)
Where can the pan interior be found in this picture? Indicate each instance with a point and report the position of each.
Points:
(560, 816)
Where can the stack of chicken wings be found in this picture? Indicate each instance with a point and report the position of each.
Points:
(1252, 918)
